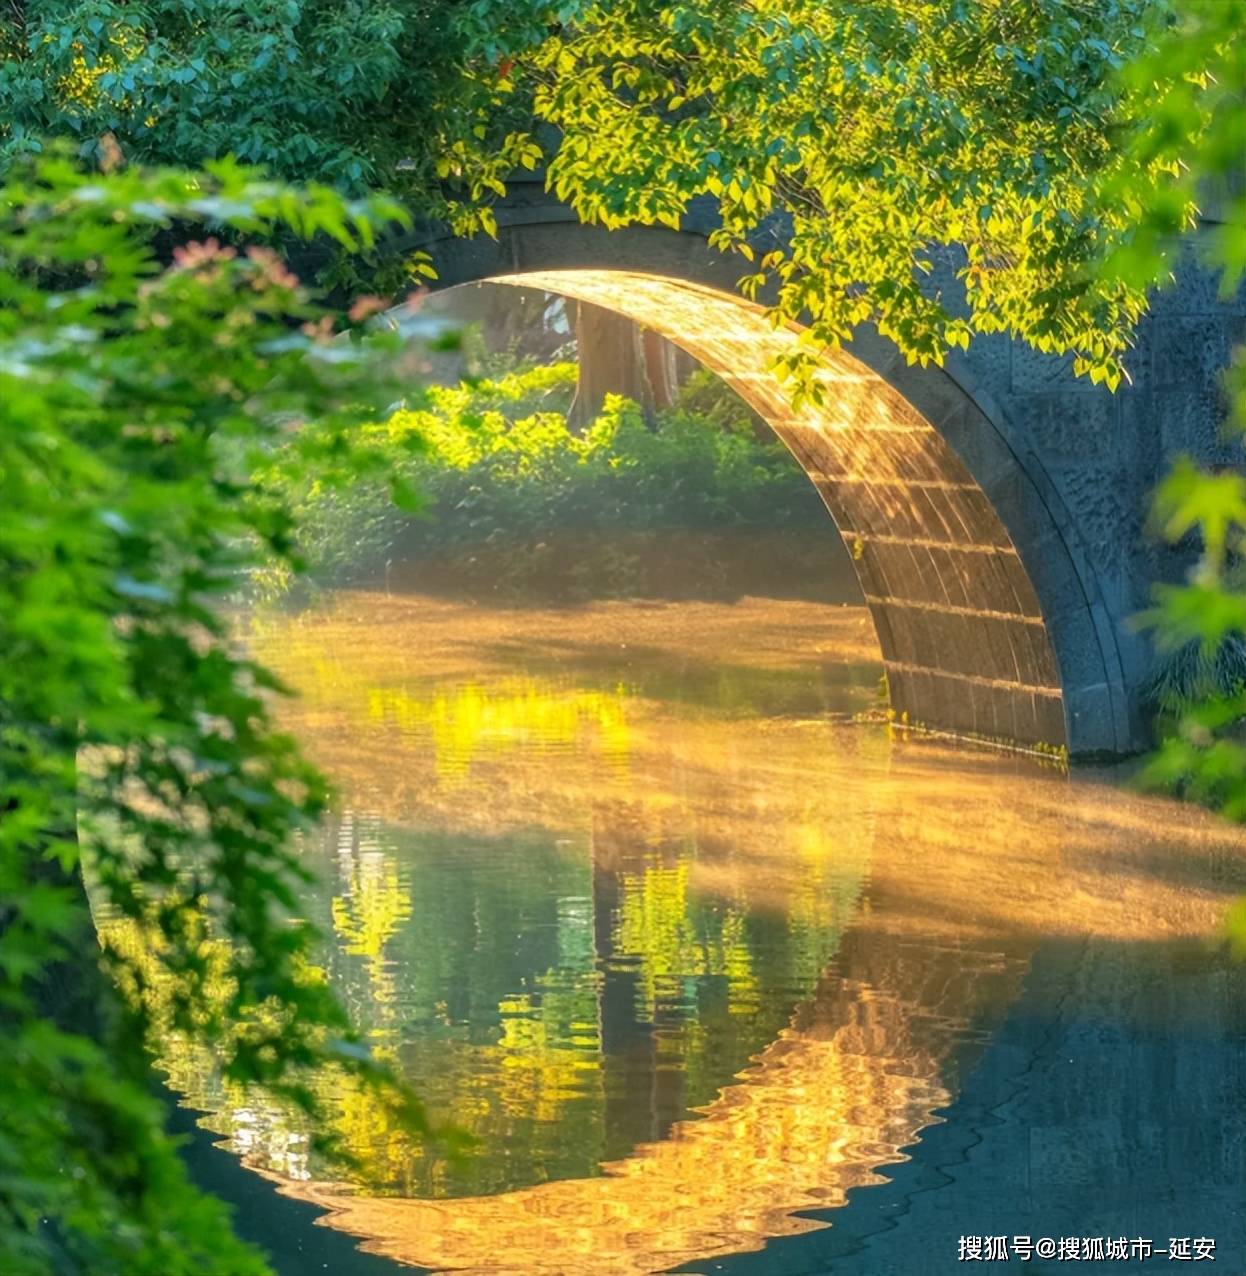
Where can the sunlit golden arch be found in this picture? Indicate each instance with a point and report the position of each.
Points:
(960, 625)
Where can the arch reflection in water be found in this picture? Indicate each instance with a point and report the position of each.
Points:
(684, 948)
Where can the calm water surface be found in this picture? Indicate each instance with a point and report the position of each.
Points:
(717, 974)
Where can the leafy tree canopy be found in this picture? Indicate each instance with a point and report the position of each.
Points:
(870, 132)
(874, 133)
(359, 95)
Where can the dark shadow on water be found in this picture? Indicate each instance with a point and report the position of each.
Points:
(1076, 1121)
(570, 566)
(284, 1229)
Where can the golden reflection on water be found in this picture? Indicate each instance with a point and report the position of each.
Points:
(774, 939)
(466, 722)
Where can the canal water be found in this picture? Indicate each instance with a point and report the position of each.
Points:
(721, 973)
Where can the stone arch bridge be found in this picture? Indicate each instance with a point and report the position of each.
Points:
(994, 507)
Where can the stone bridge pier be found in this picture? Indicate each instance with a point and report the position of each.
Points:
(995, 508)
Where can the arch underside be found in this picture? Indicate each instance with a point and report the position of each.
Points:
(959, 623)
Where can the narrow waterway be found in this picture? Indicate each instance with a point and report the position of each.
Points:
(716, 970)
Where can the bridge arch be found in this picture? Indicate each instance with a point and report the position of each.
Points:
(982, 597)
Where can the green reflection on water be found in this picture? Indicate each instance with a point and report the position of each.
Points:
(560, 1012)
(550, 898)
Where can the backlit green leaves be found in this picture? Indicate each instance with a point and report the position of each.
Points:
(1190, 154)
(137, 394)
(869, 136)
(498, 468)
(1213, 503)
(877, 138)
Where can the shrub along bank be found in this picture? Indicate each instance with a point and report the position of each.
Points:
(508, 501)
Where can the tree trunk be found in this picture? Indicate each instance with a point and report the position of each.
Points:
(618, 356)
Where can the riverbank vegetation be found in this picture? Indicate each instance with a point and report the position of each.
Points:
(515, 503)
